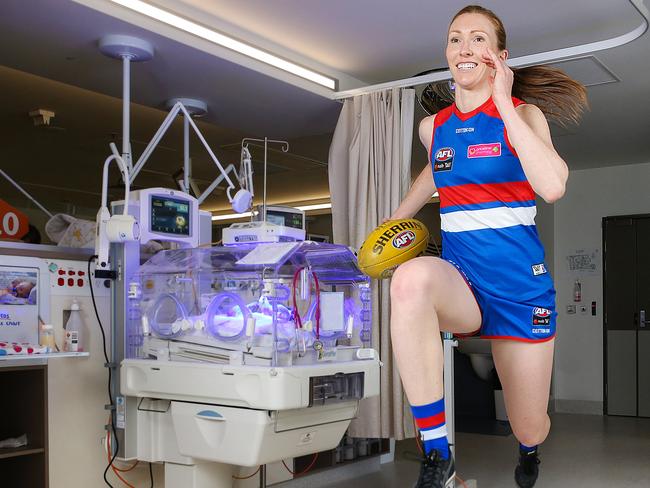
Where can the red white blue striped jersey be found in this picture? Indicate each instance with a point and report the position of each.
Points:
(487, 206)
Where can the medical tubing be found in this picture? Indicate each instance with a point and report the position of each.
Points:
(304, 471)
(247, 477)
(110, 395)
(108, 457)
(115, 468)
(108, 449)
(298, 320)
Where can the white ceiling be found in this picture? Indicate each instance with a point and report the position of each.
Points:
(57, 39)
(358, 42)
(382, 40)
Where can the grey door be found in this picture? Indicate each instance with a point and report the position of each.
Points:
(627, 315)
(643, 315)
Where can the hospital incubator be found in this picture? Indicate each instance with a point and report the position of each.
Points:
(244, 355)
(224, 305)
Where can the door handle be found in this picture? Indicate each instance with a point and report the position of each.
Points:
(642, 321)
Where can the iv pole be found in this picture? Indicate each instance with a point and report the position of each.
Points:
(266, 141)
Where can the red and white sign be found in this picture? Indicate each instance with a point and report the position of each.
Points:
(490, 150)
(13, 223)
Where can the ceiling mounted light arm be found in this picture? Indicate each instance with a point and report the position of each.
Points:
(238, 200)
(214, 158)
(144, 157)
(124, 171)
(216, 182)
(113, 228)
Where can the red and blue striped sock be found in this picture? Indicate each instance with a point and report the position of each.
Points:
(430, 419)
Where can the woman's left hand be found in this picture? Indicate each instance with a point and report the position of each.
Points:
(502, 79)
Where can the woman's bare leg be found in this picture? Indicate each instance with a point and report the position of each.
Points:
(525, 374)
(427, 295)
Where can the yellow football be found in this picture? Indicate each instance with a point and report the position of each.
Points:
(391, 244)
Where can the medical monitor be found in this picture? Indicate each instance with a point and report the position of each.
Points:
(281, 215)
(170, 215)
(166, 215)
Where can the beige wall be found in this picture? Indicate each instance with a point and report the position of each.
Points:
(591, 195)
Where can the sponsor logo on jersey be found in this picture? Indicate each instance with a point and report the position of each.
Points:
(491, 150)
(537, 330)
(391, 232)
(539, 269)
(541, 316)
(463, 130)
(403, 239)
(444, 159)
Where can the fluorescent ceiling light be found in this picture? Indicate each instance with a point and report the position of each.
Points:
(305, 208)
(319, 206)
(225, 41)
(231, 216)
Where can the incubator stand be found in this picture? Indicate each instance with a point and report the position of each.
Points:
(245, 355)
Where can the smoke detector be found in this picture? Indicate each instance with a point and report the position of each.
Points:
(41, 116)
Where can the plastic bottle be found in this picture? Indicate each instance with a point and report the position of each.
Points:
(577, 291)
(74, 336)
(46, 338)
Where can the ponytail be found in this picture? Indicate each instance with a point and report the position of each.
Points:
(561, 98)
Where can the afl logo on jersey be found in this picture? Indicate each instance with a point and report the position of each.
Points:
(541, 316)
(444, 159)
(403, 239)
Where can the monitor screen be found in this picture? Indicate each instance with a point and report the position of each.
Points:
(170, 215)
(18, 286)
(274, 219)
(288, 219)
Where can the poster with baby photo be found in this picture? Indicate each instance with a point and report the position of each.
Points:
(18, 304)
(18, 286)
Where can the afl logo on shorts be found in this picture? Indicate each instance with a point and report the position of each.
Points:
(403, 239)
(541, 316)
(444, 159)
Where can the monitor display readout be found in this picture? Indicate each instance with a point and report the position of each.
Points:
(170, 215)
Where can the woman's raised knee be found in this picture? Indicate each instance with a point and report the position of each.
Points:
(417, 279)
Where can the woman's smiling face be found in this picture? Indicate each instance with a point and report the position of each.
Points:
(469, 37)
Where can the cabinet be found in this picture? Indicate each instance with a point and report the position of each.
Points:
(23, 410)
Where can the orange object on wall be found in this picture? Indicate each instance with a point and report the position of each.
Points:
(13, 223)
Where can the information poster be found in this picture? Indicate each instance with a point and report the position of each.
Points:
(584, 261)
(18, 304)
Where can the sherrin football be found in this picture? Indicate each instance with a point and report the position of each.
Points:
(391, 244)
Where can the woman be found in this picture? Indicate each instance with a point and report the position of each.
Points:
(490, 154)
